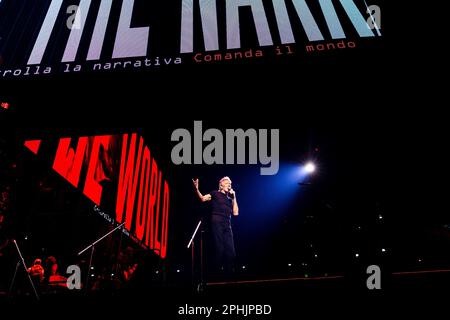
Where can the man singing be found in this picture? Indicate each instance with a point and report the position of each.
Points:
(223, 205)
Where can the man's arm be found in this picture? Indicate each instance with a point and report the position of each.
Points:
(203, 198)
(235, 204)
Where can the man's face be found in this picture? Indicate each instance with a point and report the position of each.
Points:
(226, 185)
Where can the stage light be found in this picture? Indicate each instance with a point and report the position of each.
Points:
(4, 105)
(156, 271)
(380, 217)
(92, 268)
(178, 270)
(243, 267)
(357, 255)
(383, 250)
(304, 171)
(309, 167)
(289, 264)
(315, 256)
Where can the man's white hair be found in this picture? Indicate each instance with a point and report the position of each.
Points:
(223, 179)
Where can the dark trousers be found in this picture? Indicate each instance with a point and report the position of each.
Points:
(222, 235)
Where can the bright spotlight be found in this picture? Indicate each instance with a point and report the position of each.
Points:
(309, 167)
